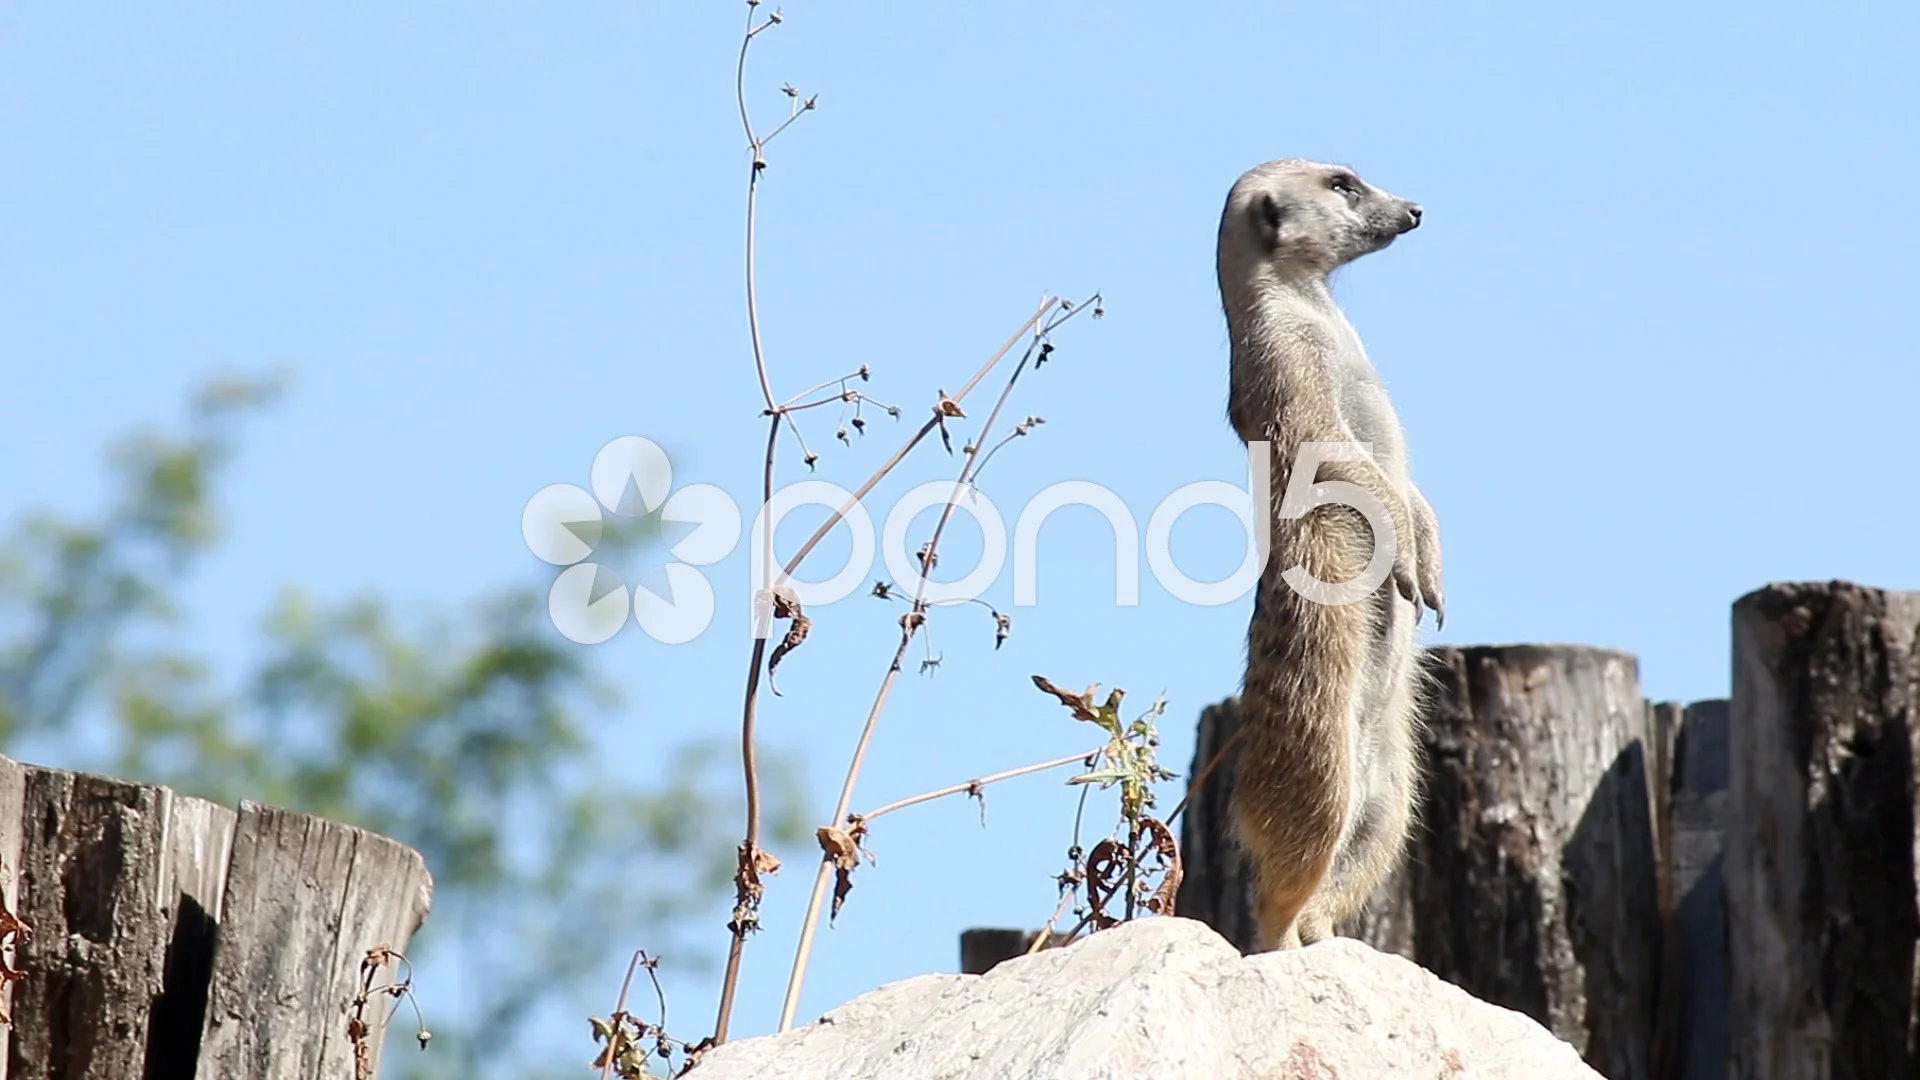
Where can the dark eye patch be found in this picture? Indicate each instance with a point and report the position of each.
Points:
(1344, 183)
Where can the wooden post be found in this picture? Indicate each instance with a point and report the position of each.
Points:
(1820, 868)
(174, 938)
(1534, 874)
(984, 947)
(306, 899)
(91, 867)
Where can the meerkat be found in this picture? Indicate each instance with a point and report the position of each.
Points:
(1327, 765)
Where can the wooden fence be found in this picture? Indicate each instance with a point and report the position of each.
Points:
(151, 936)
(1725, 889)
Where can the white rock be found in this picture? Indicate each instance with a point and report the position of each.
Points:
(1164, 998)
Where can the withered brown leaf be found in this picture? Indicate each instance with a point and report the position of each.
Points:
(1081, 703)
(748, 889)
(1106, 876)
(1162, 844)
(798, 626)
(843, 849)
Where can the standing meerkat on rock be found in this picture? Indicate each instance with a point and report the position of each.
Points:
(1327, 770)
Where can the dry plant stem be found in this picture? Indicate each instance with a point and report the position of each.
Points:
(753, 204)
(750, 846)
(996, 449)
(1046, 932)
(909, 624)
(784, 125)
(821, 877)
(620, 1010)
(837, 399)
(975, 785)
(1085, 921)
(806, 452)
(749, 761)
(841, 382)
(659, 992)
(1133, 867)
(753, 310)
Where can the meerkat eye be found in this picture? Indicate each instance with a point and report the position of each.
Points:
(1344, 183)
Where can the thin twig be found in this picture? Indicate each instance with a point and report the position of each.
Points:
(1019, 430)
(841, 382)
(753, 310)
(1085, 921)
(753, 205)
(806, 452)
(899, 455)
(1046, 932)
(803, 406)
(787, 123)
(1080, 816)
(1133, 866)
(1070, 879)
(659, 992)
(971, 786)
(620, 1011)
(746, 907)
(812, 922)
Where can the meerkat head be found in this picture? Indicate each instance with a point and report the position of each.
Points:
(1298, 216)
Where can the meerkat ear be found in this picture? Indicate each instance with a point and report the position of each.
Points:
(1269, 214)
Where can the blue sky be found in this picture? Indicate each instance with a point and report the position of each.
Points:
(1653, 345)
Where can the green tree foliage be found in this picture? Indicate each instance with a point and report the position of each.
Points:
(466, 737)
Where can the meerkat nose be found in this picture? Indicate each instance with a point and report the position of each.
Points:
(1413, 211)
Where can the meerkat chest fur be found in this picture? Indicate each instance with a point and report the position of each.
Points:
(1326, 772)
(1305, 329)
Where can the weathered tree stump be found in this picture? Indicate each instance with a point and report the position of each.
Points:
(1820, 868)
(1530, 879)
(1533, 879)
(171, 937)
